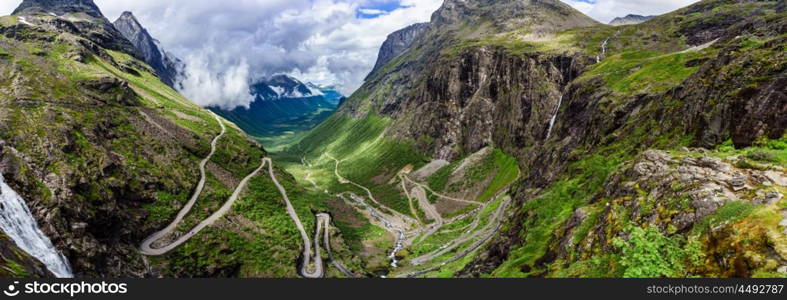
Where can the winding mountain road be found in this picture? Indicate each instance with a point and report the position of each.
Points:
(307, 269)
(324, 223)
(146, 247)
(306, 257)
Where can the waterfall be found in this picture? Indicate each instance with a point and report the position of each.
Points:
(603, 50)
(18, 223)
(554, 117)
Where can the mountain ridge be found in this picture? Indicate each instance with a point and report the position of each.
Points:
(58, 7)
(168, 68)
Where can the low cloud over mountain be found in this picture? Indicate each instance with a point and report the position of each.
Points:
(227, 47)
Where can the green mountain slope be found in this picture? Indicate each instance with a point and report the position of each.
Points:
(105, 154)
(662, 140)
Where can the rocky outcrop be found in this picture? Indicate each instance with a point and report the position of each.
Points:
(79, 17)
(167, 67)
(675, 193)
(630, 20)
(58, 7)
(397, 43)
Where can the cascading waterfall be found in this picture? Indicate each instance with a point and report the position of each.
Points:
(603, 50)
(554, 117)
(18, 223)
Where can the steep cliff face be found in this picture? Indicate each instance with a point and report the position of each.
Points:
(457, 80)
(397, 43)
(167, 67)
(576, 103)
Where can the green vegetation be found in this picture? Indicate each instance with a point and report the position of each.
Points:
(366, 157)
(552, 208)
(637, 71)
(507, 171)
(648, 253)
(730, 212)
(764, 151)
(263, 242)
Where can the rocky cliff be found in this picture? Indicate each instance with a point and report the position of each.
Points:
(397, 43)
(167, 67)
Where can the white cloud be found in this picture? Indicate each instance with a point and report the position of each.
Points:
(370, 11)
(229, 43)
(606, 10)
(315, 40)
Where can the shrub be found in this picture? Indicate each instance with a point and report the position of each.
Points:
(762, 155)
(648, 253)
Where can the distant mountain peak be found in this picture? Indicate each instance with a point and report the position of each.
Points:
(282, 86)
(58, 7)
(630, 20)
(168, 68)
(128, 17)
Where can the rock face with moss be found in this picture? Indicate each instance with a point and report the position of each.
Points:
(578, 104)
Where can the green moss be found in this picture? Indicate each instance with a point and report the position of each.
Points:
(730, 212)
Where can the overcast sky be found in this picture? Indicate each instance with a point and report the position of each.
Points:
(228, 43)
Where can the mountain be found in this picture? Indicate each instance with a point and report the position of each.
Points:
(99, 154)
(83, 19)
(397, 43)
(283, 106)
(283, 87)
(58, 7)
(584, 147)
(512, 138)
(168, 67)
(630, 20)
